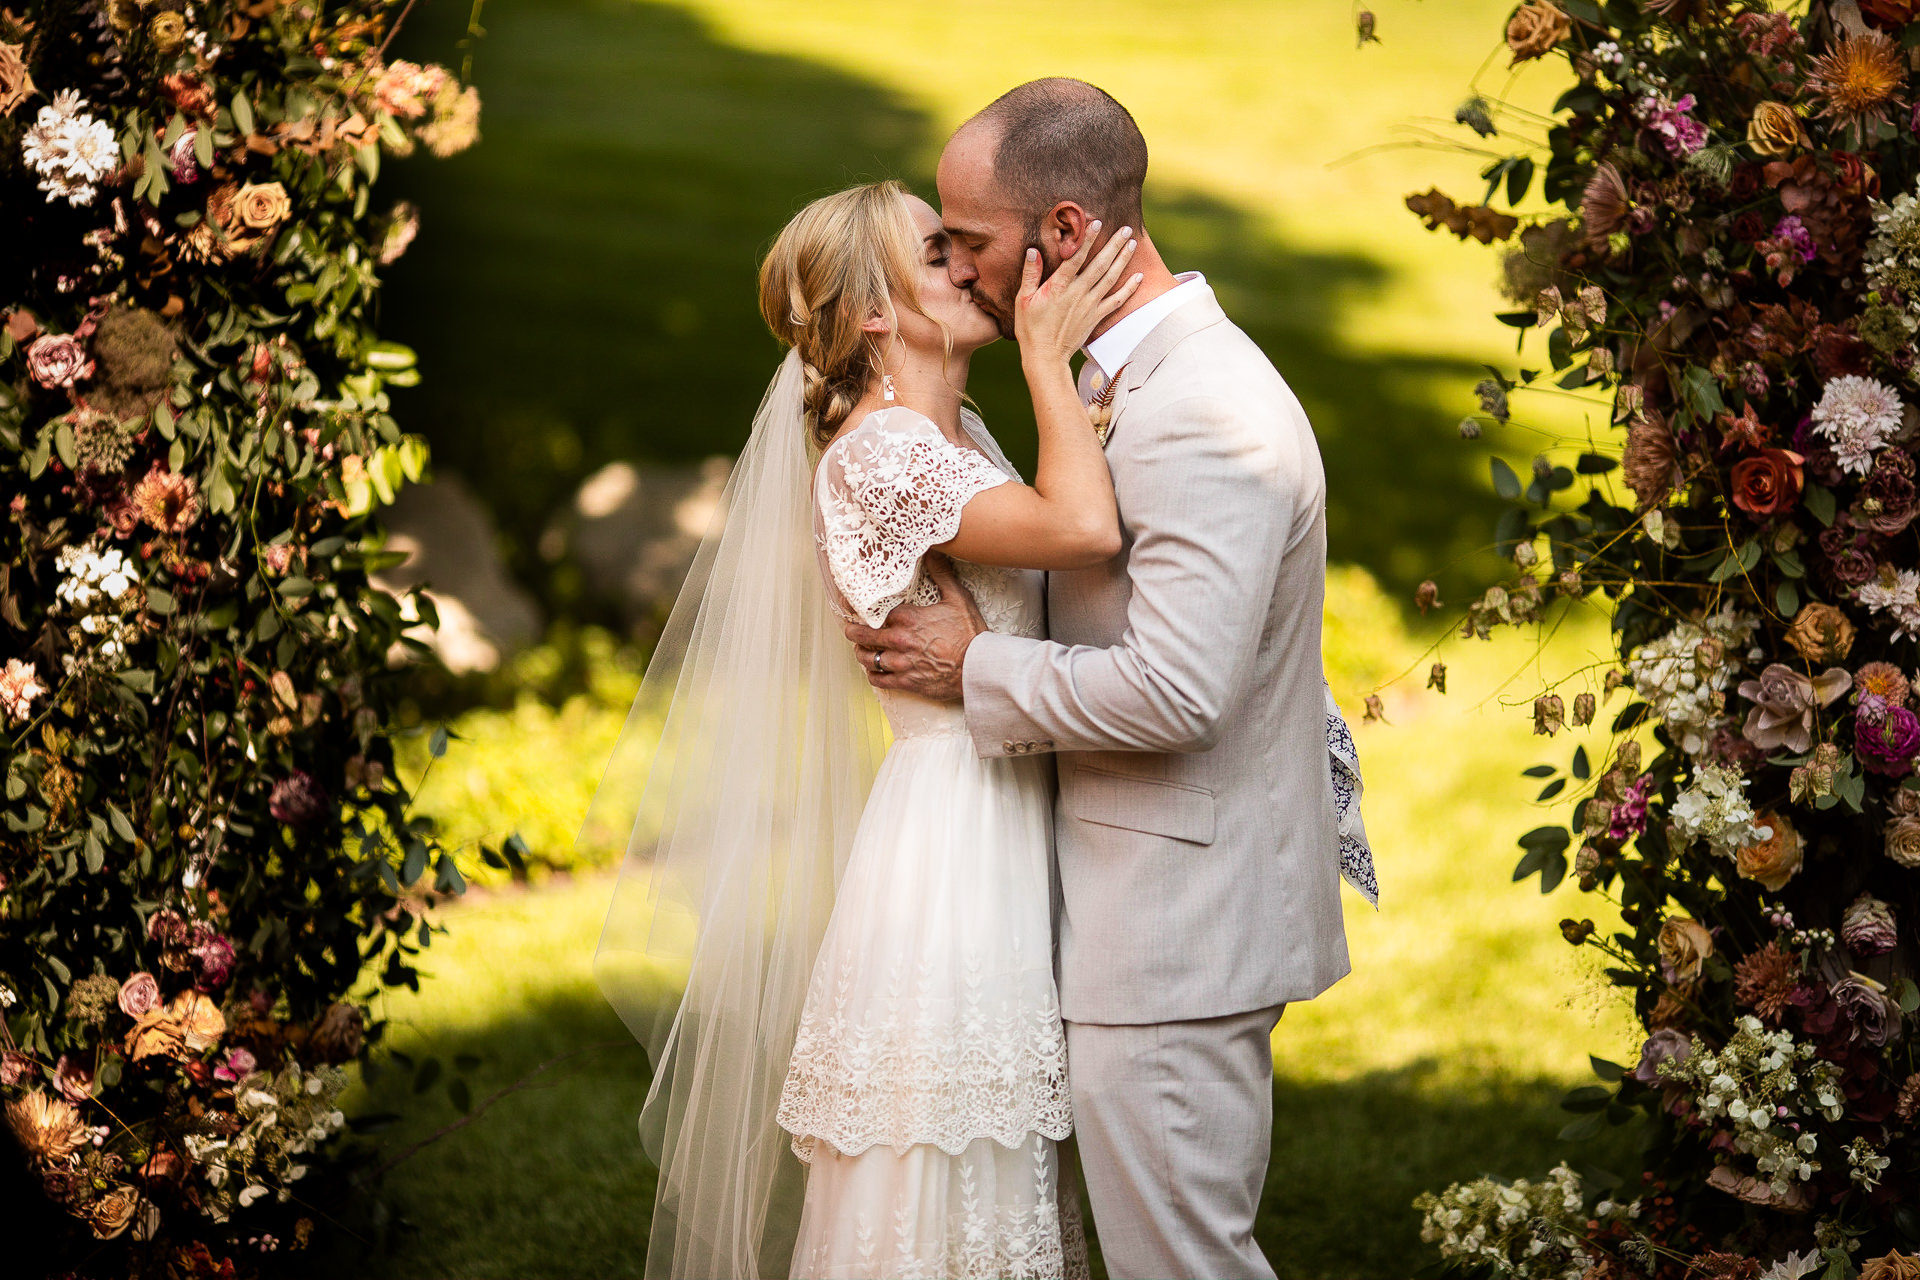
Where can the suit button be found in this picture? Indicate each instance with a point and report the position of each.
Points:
(1010, 746)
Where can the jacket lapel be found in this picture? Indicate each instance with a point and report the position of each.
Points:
(1201, 313)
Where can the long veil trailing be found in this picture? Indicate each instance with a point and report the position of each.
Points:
(757, 738)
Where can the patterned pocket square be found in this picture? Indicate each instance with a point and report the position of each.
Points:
(1343, 762)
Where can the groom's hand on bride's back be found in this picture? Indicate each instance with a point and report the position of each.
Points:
(921, 648)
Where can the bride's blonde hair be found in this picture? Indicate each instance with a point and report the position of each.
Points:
(843, 258)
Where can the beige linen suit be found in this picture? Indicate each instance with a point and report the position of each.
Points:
(1195, 829)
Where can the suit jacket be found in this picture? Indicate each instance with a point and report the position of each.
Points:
(1182, 690)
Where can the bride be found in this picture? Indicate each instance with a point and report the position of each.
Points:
(865, 1074)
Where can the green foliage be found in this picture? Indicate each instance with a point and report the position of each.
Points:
(204, 845)
(1721, 234)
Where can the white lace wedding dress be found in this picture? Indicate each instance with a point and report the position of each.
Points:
(928, 1083)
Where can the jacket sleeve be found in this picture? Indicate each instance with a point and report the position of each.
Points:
(1209, 519)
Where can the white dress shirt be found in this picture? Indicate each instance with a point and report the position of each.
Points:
(1113, 348)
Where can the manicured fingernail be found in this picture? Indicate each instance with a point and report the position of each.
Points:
(1032, 254)
(1094, 223)
(1125, 231)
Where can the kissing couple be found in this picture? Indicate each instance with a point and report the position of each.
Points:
(882, 985)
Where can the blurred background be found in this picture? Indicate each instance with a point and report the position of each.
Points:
(582, 298)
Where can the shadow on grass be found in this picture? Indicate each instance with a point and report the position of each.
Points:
(583, 289)
(1349, 1158)
(552, 1183)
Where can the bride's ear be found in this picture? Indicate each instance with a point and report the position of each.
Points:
(876, 324)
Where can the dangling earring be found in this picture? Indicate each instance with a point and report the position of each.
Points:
(886, 386)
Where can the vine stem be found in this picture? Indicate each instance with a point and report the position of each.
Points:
(394, 30)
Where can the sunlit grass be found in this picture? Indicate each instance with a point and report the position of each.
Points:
(1443, 1054)
(1440, 1057)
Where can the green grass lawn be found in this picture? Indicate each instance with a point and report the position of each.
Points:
(583, 287)
(1441, 1057)
(582, 291)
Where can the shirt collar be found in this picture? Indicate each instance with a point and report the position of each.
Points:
(1113, 348)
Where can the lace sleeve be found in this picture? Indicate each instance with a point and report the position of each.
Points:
(887, 491)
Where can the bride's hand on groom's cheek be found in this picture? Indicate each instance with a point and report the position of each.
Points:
(922, 648)
(1052, 319)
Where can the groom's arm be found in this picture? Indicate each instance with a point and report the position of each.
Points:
(1210, 507)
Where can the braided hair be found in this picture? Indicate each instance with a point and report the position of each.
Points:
(842, 259)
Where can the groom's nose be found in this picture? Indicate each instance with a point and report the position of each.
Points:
(960, 268)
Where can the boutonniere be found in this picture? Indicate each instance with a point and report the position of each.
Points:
(1100, 408)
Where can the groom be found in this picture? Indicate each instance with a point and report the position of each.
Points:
(1181, 691)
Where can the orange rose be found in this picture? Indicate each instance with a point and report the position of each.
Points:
(1775, 860)
(1768, 482)
(1821, 633)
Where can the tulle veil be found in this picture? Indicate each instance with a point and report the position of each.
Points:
(736, 785)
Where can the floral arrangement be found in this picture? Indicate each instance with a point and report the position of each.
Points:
(1728, 271)
(203, 845)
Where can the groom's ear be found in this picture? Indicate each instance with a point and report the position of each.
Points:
(1063, 230)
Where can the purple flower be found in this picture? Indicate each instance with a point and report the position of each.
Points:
(239, 1064)
(1868, 927)
(212, 960)
(1875, 1018)
(1630, 815)
(1888, 747)
(298, 799)
(1664, 1045)
(1795, 233)
(1678, 132)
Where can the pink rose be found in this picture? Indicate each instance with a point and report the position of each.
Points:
(212, 960)
(139, 995)
(73, 1079)
(58, 360)
(1784, 701)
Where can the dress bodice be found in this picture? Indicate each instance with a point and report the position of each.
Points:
(884, 494)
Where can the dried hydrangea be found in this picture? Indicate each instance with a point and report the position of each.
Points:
(1715, 808)
(1524, 1229)
(1682, 675)
(1865, 1164)
(282, 1117)
(93, 998)
(92, 576)
(1892, 259)
(1762, 1082)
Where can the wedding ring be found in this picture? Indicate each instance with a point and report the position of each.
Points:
(877, 668)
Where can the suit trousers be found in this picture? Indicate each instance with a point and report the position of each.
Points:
(1174, 1122)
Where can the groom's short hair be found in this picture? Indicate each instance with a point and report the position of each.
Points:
(1063, 139)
